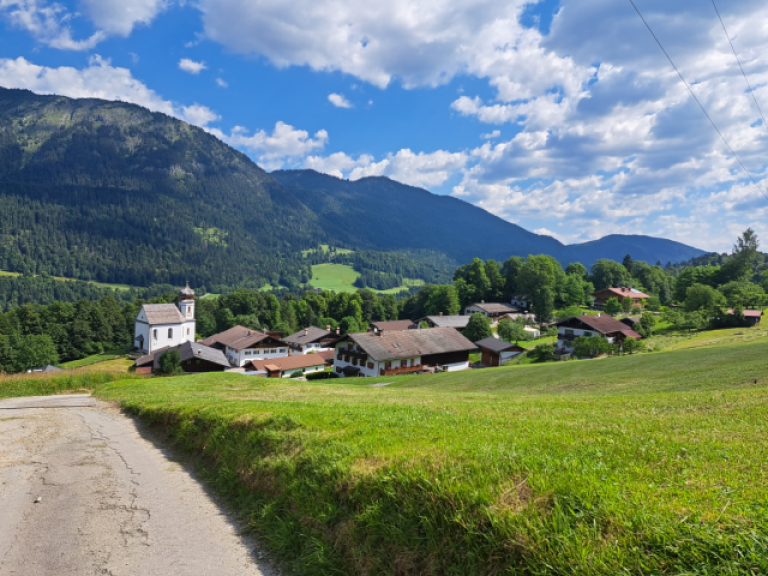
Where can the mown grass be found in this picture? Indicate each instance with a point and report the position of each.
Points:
(341, 278)
(15, 385)
(93, 359)
(645, 464)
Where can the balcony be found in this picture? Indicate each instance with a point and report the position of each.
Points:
(401, 370)
(362, 356)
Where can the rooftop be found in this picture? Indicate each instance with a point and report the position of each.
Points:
(395, 325)
(237, 338)
(496, 345)
(448, 321)
(408, 343)
(307, 336)
(187, 351)
(622, 292)
(603, 323)
(288, 363)
(496, 307)
(163, 314)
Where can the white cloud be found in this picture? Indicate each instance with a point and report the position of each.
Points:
(191, 66)
(99, 80)
(47, 23)
(422, 169)
(221, 83)
(119, 17)
(286, 144)
(491, 135)
(339, 101)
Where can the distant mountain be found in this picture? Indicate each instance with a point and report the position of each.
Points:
(380, 214)
(109, 191)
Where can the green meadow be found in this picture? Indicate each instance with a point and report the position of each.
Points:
(62, 279)
(341, 278)
(646, 464)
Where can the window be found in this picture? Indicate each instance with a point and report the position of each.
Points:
(339, 357)
(346, 358)
(248, 352)
(568, 332)
(154, 334)
(370, 365)
(170, 333)
(354, 361)
(403, 363)
(587, 333)
(187, 331)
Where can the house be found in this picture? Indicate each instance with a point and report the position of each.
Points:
(195, 357)
(597, 325)
(311, 339)
(751, 317)
(495, 352)
(492, 310)
(393, 325)
(456, 322)
(165, 325)
(285, 367)
(631, 321)
(533, 332)
(602, 296)
(402, 352)
(241, 345)
(522, 301)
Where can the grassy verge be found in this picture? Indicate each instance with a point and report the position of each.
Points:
(648, 464)
(54, 383)
(94, 359)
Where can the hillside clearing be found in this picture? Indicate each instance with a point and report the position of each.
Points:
(647, 464)
(341, 278)
(62, 279)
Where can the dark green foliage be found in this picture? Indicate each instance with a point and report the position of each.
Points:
(321, 375)
(543, 353)
(543, 304)
(591, 346)
(478, 327)
(170, 363)
(512, 331)
(626, 304)
(21, 353)
(612, 306)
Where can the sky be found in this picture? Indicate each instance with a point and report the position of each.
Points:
(562, 116)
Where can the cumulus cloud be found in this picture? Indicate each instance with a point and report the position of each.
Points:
(221, 83)
(47, 23)
(286, 144)
(119, 17)
(491, 135)
(99, 80)
(191, 66)
(339, 101)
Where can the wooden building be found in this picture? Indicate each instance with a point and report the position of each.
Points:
(495, 352)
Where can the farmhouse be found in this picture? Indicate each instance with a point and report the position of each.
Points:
(456, 322)
(311, 339)
(492, 310)
(598, 325)
(522, 301)
(495, 352)
(602, 296)
(241, 345)
(402, 352)
(194, 358)
(751, 317)
(285, 367)
(393, 325)
(165, 325)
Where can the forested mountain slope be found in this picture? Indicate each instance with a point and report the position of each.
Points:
(381, 214)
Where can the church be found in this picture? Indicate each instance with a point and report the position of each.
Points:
(166, 325)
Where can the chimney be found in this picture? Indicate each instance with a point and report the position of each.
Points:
(328, 327)
(375, 330)
(199, 352)
(583, 313)
(598, 314)
(381, 332)
(247, 332)
(482, 301)
(338, 330)
(306, 331)
(441, 314)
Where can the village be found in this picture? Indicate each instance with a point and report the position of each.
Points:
(388, 348)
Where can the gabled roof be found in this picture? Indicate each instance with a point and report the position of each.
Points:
(237, 338)
(749, 313)
(307, 336)
(187, 351)
(395, 325)
(408, 343)
(495, 307)
(163, 314)
(448, 321)
(603, 323)
(288, 363)
(496, 345)
(622, 292)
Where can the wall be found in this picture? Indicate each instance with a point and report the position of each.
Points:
(240, 358)
(576, 333)
(309, 370)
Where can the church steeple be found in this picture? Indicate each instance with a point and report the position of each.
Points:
(187, 302)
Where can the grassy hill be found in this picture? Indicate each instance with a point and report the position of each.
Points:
(341, 278)
(649, 464)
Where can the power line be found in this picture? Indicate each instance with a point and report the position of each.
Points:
(697, 100)
(751, 91)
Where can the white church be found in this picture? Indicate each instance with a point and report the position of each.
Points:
(165, 325)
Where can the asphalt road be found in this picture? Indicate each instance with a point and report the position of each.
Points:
(83, 492)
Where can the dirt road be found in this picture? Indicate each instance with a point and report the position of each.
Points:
(81, 493)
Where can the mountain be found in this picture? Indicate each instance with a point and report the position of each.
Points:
(110, 191)
(380, 214)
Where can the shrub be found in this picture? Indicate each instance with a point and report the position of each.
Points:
(297, 374)
(322, 375)
(543, 353)
(170, 362)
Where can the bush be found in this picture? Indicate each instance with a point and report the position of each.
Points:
(543, 353)
(170, 362)
(322, 375)
(297, 374)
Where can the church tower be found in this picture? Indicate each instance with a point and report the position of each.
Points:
(187, 303)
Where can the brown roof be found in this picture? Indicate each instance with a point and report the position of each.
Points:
(631, 334)
(163, 314)
(187, 351)
(326, 355)
(602, 323)
(311, 334)
(394, 325)
(749, 313)
(407, 343)
(495, 307)
(237, 338)
(496, 345)
(447, 321)
(621, 292)
(288, 363)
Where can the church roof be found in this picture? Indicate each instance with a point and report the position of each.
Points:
(186, 291)
(163, 314)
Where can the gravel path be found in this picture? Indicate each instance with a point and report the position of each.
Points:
(82, 492)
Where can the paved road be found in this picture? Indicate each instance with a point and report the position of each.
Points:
(111, 502)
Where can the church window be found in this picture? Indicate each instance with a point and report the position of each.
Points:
(187, 331)
(154, 333)
(170, 333)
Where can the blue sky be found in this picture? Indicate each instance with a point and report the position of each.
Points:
(561, 116)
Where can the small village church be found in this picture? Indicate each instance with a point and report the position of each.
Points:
(165, 325)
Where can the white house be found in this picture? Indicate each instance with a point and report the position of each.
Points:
(401, 352)
(286, 367)
(242, 345)
(311, 339)
(165, 325)
(492, 310)
(596, 325)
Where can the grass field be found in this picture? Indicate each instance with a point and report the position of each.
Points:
(644, 464)
(61, 279)
(341, 278)
(54, 383)
(94, 359)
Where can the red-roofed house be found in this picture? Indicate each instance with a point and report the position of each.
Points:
(598, 325)
(752, 317)
(602, 296)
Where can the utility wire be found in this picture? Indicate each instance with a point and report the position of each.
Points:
(697, 100)
(751, 91)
